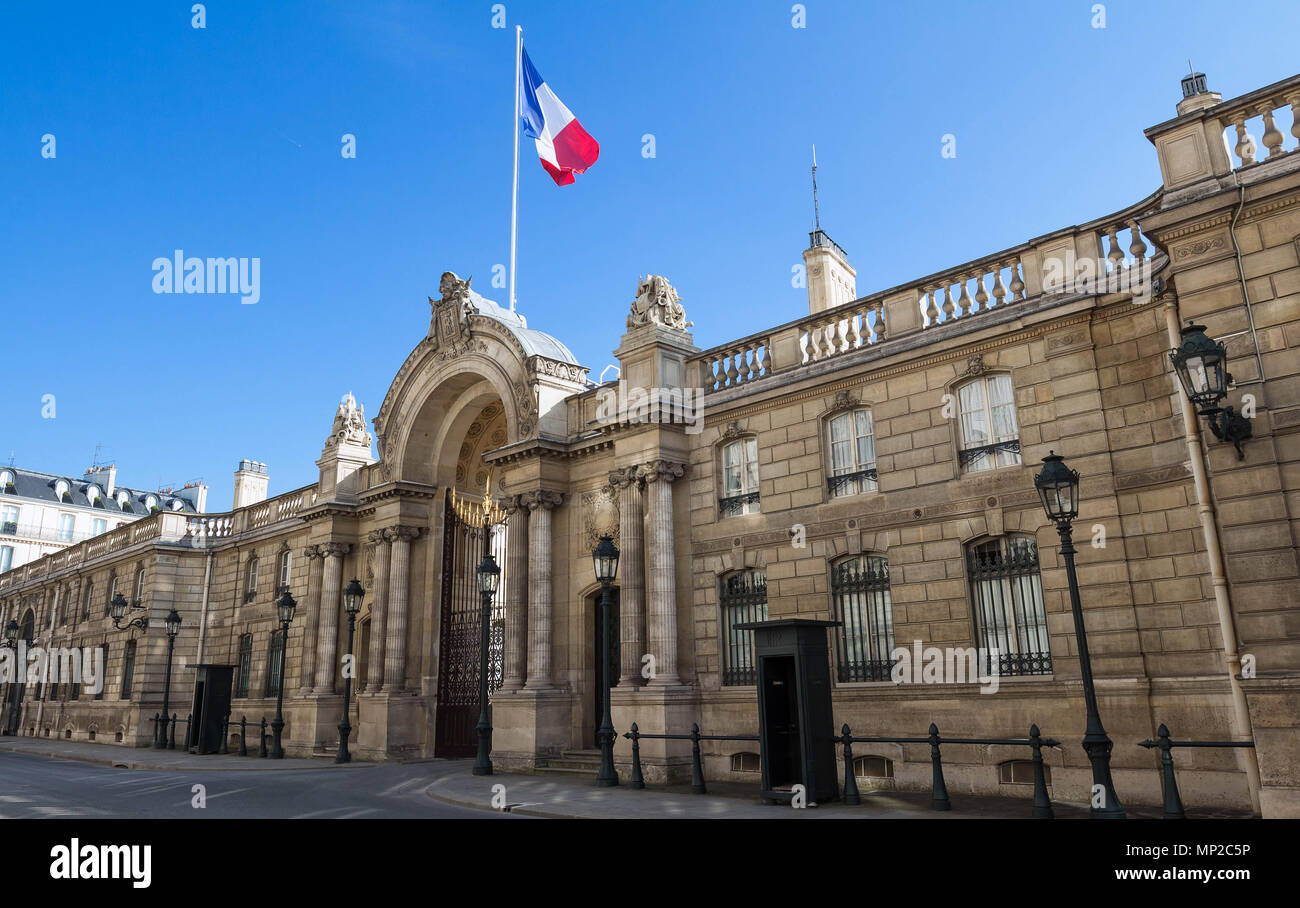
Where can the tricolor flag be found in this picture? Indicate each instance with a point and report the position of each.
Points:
(564, 147)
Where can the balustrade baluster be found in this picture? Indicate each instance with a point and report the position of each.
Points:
(1294, 101)
(1017, 285)
(878, 327)
(1116, 254)
(964, 299)
(947, 303)
(1245, 144)
(1272, 135)
(1137, 248)
(851, 334)
(999, 291)
(981, 294)
(731, 370)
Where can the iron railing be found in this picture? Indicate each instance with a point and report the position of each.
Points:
(857, 481)
(1173, 808)
(697, 765)
(734, 506)
(969, 456)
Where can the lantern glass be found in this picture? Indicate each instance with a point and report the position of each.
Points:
(352, 597)
(117, 606)
(285, 606)
(604, 558)
(489, 575)
(1202, 367)
(173, 623)
(1058, 488)
(11, 631)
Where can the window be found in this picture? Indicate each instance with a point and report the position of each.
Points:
(139, 585)
(744, 599)
(250, 580)
(124, 501)
(9, 520)
(151, 503)
(66, 524)
(244, 666)
(1021, 772)
(275, 656)
(128, 670)
(103, 681)
(1007, 601)
(871, 766)
(98, 525)
(989, 436)
(85, 604)
(286, 559)
(94, 497)
(63, 491)
(853, 454)
(112, 591)
(745, 762)
(6, 481)
(6, 557)
(863, 606)
(739, 478)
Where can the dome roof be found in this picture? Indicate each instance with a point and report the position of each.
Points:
(534, 342)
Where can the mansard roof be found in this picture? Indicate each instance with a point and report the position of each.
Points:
(38, 486)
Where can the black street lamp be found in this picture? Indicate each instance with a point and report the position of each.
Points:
(489, 576)
(352, 597)
(605, 559)
(173, 622)
(284, 608)
(118, 609)
(1202, 367)
(1058, 487)
(11, 642)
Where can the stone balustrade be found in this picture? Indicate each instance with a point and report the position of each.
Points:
(1255, 114)
(972, 289)
(736, 364)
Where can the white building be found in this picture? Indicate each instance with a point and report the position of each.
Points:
(41, 513)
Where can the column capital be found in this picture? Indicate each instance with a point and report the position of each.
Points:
(313, 551)
(625, 477)
(667, 470)
(402, 533)
(512, 504)
(543, 499)
(379, 537)
(335, 549)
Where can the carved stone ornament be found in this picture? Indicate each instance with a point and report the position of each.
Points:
(657, 302)
(544, 499)
(599, 517)
(975, 365)
(449, 324)
(733, 430)
(349, 425)
(665, 470)
(844, 400)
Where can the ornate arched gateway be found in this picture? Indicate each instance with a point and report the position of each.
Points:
(480, 384)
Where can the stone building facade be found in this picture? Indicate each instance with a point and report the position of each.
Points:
(871, 463)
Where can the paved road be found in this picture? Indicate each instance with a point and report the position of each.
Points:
(35, 786)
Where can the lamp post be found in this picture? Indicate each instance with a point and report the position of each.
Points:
(352, 597)
(173, 622)
(1058, 487)
(1202, 367)
(284, 608)
(118, 609)
(489, 575)
(11, 642)
(604, 557)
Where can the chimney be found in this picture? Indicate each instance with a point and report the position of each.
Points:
(251, 482)
(104, 477)
(831, 279)
(1195, 95)
(196, 493)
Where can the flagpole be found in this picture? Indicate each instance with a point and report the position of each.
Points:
(514, 192)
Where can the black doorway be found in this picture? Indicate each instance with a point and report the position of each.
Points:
(782, 721)
(615, 662)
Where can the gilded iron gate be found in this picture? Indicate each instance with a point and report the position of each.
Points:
(461, 610)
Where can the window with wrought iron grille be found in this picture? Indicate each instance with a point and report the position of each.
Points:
(865, 610)
(1007, 598)
(128, 670)
(103, 677)
(744, 600)
(739, 478)
(990, 437)
(853, 454)
(244, 666)
(275, 656)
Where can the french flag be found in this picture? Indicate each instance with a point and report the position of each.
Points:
(564, 147)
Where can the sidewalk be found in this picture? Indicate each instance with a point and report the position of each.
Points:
(579, 798)
(120, 757)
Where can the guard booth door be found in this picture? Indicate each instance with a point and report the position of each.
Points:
(212, 688)
(781, 720)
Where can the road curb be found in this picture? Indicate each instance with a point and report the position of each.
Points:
(119, 763)
(529, 811)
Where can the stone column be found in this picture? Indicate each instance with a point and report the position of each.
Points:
(661, 617)
(516, 592)
(315, 574)
(378, 612)
(399, 586)
(540, 617)
(631, 574)
(327, 635)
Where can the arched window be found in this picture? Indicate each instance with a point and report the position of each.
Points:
(6, 481)
(250, 579)
(863, 606)
(286, 565)
(990, 437)
(94, 496)
(744, 599)
(63, 491)
(739, 493)
(176, 504)
(873, 766)
(151, 503)
(244, 666)
(852, 445)
(139, 585)
(124, 501)
(1007, 599)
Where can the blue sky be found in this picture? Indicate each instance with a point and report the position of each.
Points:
(225, 141)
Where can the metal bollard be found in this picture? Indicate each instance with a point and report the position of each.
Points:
(261, 750)
(189, 732)
(243, 736)
(635, 734)
(1173, 803)
(851, 795)
(939, 793)
(171, 739)
(156, 718)
(1042, 803)
(697, 768)
(225, 735)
